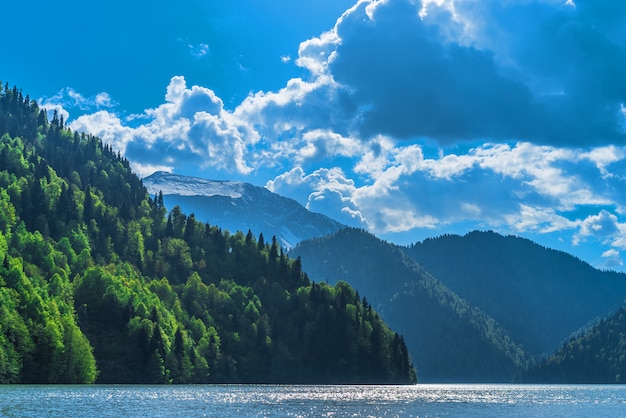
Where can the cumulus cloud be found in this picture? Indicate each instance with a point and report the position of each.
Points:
(324, 191)
(417, 115)
(533, 70)
(523, 188)
(191, 127)
(606, 228)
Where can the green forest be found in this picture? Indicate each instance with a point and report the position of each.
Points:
(99, 282)
(484, 307)
(450, 340)
(597, 355)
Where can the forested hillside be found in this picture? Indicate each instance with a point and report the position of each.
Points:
(449, 339)
(541, 296)
(597, 355)
(98, 282)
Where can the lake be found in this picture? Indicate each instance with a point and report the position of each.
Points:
(299, 401)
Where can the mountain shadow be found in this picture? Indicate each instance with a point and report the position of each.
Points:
(449, 339)
(597, 355)
(540, 296)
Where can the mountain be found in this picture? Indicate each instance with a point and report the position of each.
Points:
(540, 296)
(98, 285)
(449, 339)
(238, 206)
(597, 355)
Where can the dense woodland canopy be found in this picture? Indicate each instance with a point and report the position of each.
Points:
(100, 283)
(484, 307)
(597, 355)
(540, 296)
(449, 339)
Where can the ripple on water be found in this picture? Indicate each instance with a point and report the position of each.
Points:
(301, 401)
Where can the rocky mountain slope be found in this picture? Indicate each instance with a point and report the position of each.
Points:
(239, 206)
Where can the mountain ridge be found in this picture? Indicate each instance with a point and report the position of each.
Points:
(99, 283)
(489, 292)
(449, 339)
(541, 295)
(241, 206)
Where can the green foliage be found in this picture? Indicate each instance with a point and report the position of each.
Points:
(540, 296)
(98, 285)
(597, 355)
(449, 339)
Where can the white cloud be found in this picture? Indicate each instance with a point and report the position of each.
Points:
(612, 253)
(190, 127)
(70, 98)
(348, 139)
(612, 260)
(450, 166)
(199, 50)
(604, 226)
(326, 191)
(538, 220)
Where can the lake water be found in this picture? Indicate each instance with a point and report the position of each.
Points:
(319, 401)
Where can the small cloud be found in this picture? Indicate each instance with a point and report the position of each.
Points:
(68, 98)
(610, 253)
(199, 50)
(601, 225)
(104, 100)
(285, 59)
(612, 260)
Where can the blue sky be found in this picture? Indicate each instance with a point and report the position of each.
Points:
(408, 118)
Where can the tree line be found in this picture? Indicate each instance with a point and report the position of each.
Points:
(99, 282)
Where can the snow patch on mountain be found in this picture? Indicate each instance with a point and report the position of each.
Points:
(238, 206)
(174, 184)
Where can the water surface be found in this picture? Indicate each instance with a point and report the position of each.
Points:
(319, 401)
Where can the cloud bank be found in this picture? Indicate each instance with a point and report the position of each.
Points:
(422, 116)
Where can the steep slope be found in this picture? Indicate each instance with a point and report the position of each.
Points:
(595, 356)
(96, 284)
(540, 296)
(449, 339)
(238, 206)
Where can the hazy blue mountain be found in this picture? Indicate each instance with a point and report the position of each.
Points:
(239, 206)
(449, 339)
(541, 296)
(595, 356)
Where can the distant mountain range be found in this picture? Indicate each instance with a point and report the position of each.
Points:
(239, 206)
(479, 307)
(476, 308)
(541, 296)
(449, 339)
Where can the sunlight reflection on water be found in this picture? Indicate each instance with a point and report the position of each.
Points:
(302, 401)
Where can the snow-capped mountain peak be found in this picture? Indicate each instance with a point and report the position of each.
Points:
(239, 206)
(174, 184)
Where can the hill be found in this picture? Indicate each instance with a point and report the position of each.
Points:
(449, 339)
(540, 296)
(98, 284)
(596, 355)
(239, 206)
